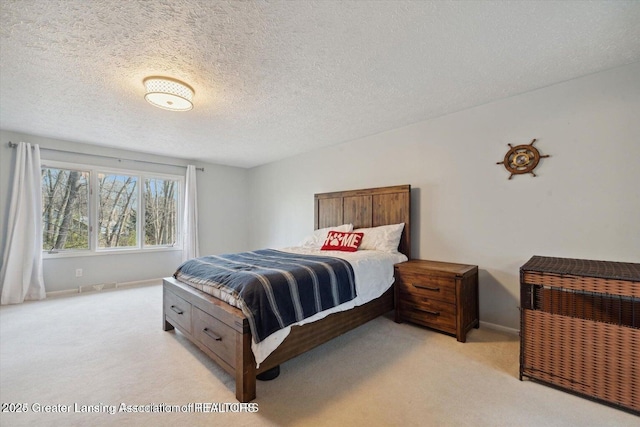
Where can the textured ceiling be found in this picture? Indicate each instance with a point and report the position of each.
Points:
(278, 78)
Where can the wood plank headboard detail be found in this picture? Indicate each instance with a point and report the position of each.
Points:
(366, 208)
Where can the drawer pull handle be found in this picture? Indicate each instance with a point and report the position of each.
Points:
(176, 309)
(429, 288)
(435, 313)
(211, 334)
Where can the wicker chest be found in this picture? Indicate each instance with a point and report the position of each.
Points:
(580, 327)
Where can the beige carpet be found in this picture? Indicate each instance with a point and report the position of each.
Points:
(108, 348)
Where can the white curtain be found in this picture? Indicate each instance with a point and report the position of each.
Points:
(21, 273)
(190, 219)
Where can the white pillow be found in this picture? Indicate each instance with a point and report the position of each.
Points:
(385, 238)
(319, 236)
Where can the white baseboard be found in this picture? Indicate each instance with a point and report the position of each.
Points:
(64, 293)
(146, 282)
(103, 287)
(499, 328)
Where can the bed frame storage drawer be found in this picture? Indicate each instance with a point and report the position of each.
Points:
(178, 311)
(215, 335)
(580, 327)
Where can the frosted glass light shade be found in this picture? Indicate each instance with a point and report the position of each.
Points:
(168, 93)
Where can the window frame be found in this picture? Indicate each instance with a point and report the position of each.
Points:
(94, 205)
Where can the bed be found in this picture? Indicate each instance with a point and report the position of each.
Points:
(222, 331)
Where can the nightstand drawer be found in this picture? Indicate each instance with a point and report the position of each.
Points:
(178, 311)
(441, 288)
(435, 314)
(215, 335)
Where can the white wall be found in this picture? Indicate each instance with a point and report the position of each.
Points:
(585, 202)
(221, 210)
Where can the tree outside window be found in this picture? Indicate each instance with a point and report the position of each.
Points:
(65, 209)
(161, 211)
(119, 220)
(117, 210)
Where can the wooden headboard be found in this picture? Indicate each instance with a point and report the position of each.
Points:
(366, 208)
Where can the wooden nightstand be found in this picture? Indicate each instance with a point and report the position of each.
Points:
(439, 295)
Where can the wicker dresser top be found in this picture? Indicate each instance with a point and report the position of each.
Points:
(582, 267)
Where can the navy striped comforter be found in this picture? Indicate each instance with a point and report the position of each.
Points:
(274, 289)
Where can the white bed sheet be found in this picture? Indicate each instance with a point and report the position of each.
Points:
(373, 271)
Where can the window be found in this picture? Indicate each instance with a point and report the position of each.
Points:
(96, 210)
(117, 210)
(160, 212)
(65, 209)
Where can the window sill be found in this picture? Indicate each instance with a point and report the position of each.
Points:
(77, 254)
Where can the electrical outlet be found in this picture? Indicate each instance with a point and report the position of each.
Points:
(78, 272)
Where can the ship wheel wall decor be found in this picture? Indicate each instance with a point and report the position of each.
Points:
(522, 159)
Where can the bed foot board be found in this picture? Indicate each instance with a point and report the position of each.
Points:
(245, 369)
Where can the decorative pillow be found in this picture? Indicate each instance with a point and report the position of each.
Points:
(385, 238)
(316, 240)
(339, 241)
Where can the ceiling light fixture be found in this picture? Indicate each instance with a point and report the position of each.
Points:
(168, 93)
